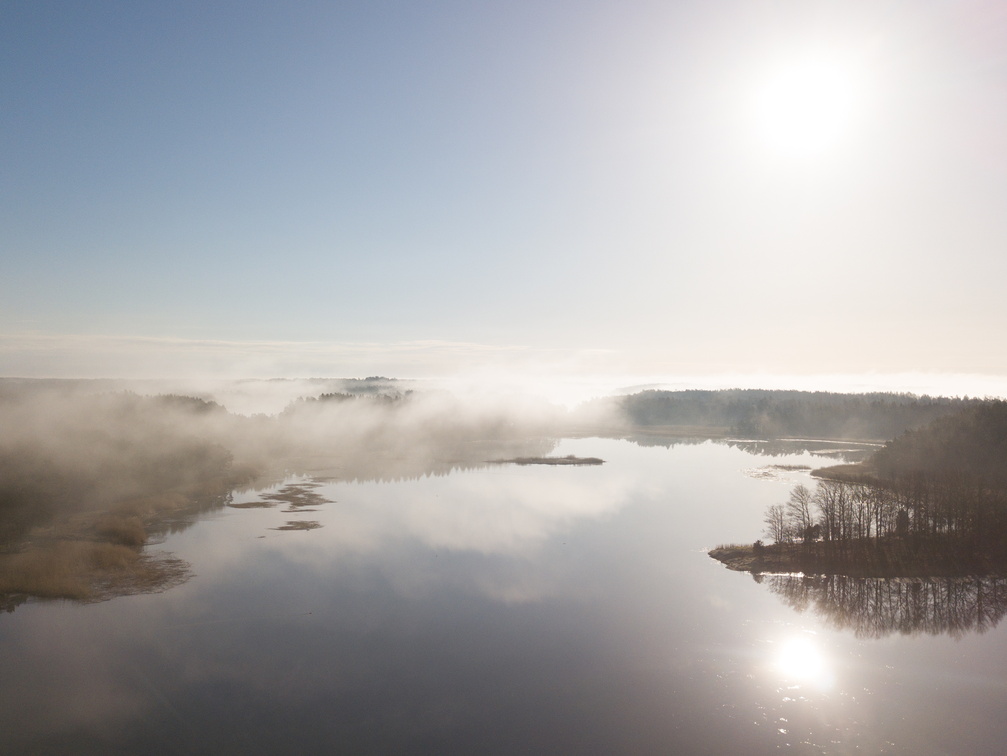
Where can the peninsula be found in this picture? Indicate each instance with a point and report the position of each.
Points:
(933, 502)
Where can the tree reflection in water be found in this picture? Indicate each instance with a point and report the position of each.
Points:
(878, 607)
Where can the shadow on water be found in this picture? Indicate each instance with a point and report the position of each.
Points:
(879, 607)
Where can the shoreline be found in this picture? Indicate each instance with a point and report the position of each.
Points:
(104, 553)
(859, 559)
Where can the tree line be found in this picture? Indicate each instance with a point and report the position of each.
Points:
(955, 509)
(758, 413)
(944, 485)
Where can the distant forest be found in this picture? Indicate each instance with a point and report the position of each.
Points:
(756, 413)
(972, 444)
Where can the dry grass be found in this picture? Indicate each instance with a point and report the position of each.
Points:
(299, 525)
(257, 504)
(150, 506)
(93, 556)
(63, 568)
(567, 460)
(126, 531)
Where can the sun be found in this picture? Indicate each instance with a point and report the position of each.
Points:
(806, 107)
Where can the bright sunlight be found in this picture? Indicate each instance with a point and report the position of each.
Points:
(805, 107)
(800, 659)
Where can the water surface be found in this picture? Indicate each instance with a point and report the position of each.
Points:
(506, 609)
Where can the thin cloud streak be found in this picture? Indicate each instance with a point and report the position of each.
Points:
(106, 356)
(565, 375)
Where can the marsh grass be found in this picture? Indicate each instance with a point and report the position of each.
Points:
(94, 556)
(570, 459)
(257, 504)
(64, 568)
(297, 496)
(126, 531)
(299, 525)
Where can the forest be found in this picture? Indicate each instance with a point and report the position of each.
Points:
(767, 414)
(933, 499)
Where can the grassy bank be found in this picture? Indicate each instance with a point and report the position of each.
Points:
(96, 555)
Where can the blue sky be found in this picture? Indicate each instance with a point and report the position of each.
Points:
(382, 187)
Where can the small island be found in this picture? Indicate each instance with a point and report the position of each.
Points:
(931, 503)
(570, 459)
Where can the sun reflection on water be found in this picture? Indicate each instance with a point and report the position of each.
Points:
(800, 659)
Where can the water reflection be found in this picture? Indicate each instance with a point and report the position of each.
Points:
(408, 458)
(842, 451)
(878, 607)
(494, 611)
(664, 440)
(506, 511)
(69, 561)
(801, 659)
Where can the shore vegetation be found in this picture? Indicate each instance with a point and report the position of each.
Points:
(931, 502)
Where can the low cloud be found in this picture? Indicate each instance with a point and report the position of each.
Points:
(98, 356)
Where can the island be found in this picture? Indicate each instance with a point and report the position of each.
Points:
(930, 503)
(570, 459)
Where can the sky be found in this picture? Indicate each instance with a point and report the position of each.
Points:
(643, 189)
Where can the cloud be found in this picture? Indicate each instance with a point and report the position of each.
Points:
(105, 356)
(565, 375)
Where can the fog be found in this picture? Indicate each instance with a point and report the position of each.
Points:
(92, 471)
(438, 577)
(70, 446)
(107, 443)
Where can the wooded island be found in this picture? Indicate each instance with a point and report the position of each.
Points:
(932, 502)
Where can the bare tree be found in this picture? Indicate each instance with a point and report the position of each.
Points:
(776, 523)
(833, 504)
(799, 519)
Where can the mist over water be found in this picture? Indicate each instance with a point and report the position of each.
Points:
(494, 609)
(365, 570)
(249, 396)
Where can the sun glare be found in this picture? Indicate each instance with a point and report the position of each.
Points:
(805, 107)
(799, 659)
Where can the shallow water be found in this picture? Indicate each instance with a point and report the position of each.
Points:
(504, 609)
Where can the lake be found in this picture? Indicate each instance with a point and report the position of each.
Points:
(511, 609)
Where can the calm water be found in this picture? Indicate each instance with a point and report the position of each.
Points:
(511, 610)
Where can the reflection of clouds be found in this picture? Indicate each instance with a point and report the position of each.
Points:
(479, 530)
(506, 512)
(58, 687)
(844, 451)
(876, 607)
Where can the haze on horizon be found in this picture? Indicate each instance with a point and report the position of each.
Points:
(639, 190)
